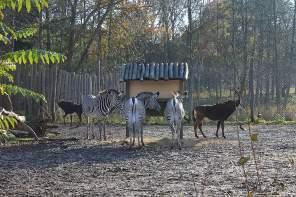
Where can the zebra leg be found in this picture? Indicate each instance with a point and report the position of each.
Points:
(71, 117)
(104, 129)
(130, 139)
(138, 134)
(92, 129)
(100, 130)
(142, 140)
(87, 128)
(181, 130)
(218, 126)
(179, 137)
(64, 116)
(127, 134)
(173, 136)
(134, 135)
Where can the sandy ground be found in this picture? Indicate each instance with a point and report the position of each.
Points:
(204, 167)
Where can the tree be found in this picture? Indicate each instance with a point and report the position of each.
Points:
(9, 60)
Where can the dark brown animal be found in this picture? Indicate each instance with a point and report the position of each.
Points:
(219, 112)
(69, 108)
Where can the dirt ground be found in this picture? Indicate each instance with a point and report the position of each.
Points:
(204, 167)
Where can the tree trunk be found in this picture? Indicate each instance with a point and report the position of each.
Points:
(276, 70)
(70, 48)
(54, 93)
(95, 33)
(291, 59)
(251, 86)
(190, 84)
(245, 49)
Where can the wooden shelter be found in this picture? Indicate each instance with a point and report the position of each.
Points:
(163, 77)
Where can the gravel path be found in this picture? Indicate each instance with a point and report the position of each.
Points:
(204, 167)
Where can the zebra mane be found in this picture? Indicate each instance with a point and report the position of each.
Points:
(108, 91)
(113, 90)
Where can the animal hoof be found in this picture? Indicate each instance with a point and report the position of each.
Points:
(224, 136)
(196, 136)
(205, 136)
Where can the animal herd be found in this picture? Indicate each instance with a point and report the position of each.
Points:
(134, 110)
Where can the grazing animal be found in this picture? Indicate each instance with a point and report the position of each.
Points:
(150, 100)
(135, 112)
(100, 106)
(69, 108)
(174, 113)
(219, 112)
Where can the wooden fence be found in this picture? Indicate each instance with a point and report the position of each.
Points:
(56, 84)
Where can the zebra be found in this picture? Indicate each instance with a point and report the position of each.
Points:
(135, 113)
(174, 113)
(100, 106)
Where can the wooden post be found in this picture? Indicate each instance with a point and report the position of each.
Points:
(54, 93)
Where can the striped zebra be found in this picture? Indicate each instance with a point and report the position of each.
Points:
(174, 113)
(135, 112)
(100, 106)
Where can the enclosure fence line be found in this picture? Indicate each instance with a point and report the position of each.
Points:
(56, 84)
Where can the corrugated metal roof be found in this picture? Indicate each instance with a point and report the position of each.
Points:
(154, 71)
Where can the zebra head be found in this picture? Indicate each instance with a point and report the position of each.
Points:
(150, 100)
(179, 96)
(113, 98)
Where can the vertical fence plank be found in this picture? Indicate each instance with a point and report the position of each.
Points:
(57, 85)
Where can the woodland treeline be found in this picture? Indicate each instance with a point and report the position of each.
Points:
(246, 44)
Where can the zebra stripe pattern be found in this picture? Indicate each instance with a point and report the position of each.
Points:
(174, 113)
(135, 113)
(100, 106)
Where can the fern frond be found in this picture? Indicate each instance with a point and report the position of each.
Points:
(18, 5)
(33, 56)
(8, 76)
(7, 33)
(26, 32)
(13, 90)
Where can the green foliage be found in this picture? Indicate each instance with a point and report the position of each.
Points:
(243, 160)
(254, 137)
(8, 61)
(33, 56)
(7, 122)
(13, 90)
(18, 5)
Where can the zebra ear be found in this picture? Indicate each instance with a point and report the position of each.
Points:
(121, 93)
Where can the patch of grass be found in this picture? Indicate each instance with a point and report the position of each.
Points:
(260, 121)
(280, 122)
